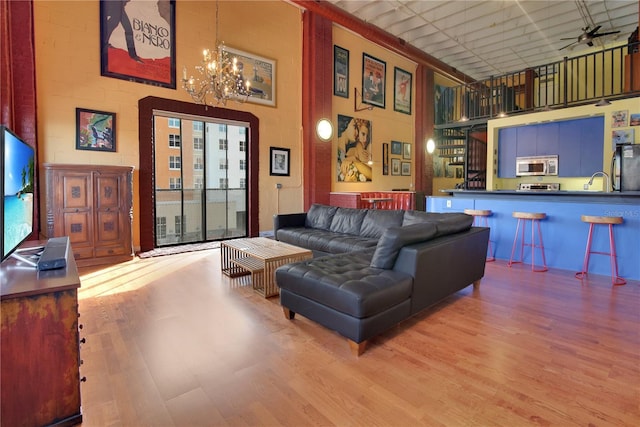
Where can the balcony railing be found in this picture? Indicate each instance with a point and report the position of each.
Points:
(608, 74)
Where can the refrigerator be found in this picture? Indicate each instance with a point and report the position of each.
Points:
(625, 168)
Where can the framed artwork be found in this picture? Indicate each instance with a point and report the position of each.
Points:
(280, 161)
(374, 77)
(385, 158)
(261, 72)
(395, 166)
(340, 72)
(354, 149)
(138, 41)
(95, 130)
(406, 169)
(619, 118)
(402, 81)
(396, 147)
(406, 151)
(634, 120)
(625, 136)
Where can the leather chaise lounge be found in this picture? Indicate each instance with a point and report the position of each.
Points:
(372, 269)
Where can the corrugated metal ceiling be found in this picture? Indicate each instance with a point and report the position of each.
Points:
(482, 38)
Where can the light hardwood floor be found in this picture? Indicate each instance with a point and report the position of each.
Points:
(173, 342)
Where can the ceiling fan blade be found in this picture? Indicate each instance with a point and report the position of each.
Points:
(605, 34)
(568, 38)
(570, 44)
(595, 30)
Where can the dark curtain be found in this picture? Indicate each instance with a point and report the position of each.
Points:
(18, 80)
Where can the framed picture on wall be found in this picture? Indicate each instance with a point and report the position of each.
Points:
(396, 147)
(95, 130)
(280, 161)
(340, 72)
(402, 90)
(374, 77)
(623, 136)
(354, 149)
(395, 166)
(261, 72)
(406, 169)
(137, 41)
(406, 151)
(385, 158)
(619, 118)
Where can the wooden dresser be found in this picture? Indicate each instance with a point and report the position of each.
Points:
(39, 346)
(92, 204)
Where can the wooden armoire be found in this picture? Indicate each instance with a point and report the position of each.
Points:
(92, 204)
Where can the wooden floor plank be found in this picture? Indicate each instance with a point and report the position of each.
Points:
(171, 341)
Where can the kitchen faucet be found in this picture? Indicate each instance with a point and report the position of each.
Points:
(608, 183)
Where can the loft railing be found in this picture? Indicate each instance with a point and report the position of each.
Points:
(610, 74)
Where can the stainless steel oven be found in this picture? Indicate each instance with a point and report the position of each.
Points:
(537, 165)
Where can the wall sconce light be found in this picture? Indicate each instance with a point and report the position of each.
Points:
(431, 146)
(324, 129)
(603, 103)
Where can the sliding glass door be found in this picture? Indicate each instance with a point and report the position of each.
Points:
(200, 179)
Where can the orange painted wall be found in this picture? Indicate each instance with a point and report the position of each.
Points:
(386, 124)
(68, 76)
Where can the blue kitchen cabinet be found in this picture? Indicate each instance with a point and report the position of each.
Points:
(527, 141)
(507, 144)
(547, 139)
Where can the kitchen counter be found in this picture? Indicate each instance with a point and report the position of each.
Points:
(630, 197)
(564, 234)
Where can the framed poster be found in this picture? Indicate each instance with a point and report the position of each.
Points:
(385, 158)
(396, 147)
(137, 41)
(623, 136)
(95, 130)
(340, 72)
(406, 151)
(354, 149)
(406, 169)
(374, 77)
(395, 166)
(402, 81)
(261, 72)
(280, 161)
(619, 118)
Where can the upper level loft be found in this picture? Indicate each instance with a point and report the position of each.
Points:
(596, 77)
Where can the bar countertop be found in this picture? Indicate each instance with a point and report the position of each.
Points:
(631, 197)
(565, 234)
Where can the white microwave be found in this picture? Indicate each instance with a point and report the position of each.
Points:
(537, 165)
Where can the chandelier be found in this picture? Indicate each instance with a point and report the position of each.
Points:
(220, 77)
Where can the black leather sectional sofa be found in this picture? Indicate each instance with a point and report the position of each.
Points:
(373, 269)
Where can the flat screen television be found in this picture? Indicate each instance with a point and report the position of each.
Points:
(17, 183)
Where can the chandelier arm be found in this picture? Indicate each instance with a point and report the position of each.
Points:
(220, 76)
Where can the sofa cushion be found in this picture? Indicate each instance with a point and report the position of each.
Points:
(393, 239)
(324, 241)
(347, 220)
(346, 283)
(378, 220)
(320, 216)
(447, 223)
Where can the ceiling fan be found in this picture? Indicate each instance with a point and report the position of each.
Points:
(587, 36)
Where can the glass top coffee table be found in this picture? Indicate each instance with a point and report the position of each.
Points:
(260, 257)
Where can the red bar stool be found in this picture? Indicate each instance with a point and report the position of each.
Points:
(535, 218)
(603, 220)
(480, 219)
